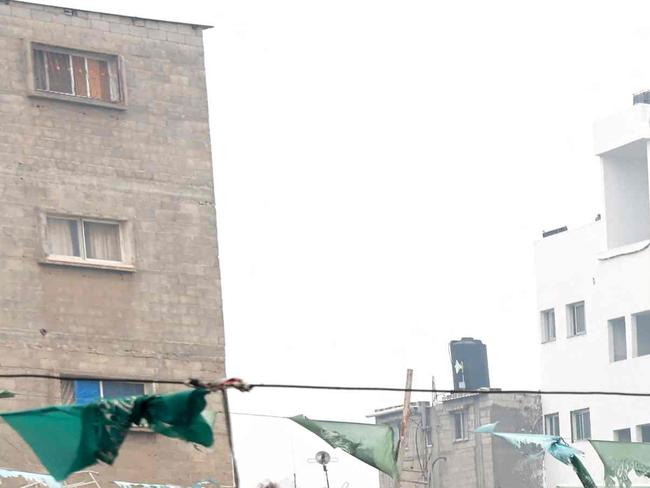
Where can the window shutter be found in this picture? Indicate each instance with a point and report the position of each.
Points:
(79, 69)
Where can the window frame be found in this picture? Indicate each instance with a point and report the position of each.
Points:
(612, 324)
(616, 434)
(125, 230)
(639, 432)
(32, 91)
(68, 387)
(636, 353)
(463, 425)
(544, 323)
(572, 330)
(574, 426)
(555, 423)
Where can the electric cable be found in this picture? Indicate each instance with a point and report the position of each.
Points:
(481, 391)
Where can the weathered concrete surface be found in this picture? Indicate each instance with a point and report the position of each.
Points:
(149, 164)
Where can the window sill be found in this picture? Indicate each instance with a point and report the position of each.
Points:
(461, 440)
(581, 334)
(624, 250)
(80, 263)
(81, 100)
(550, 341)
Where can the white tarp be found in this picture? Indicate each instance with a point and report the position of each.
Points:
(43, 479)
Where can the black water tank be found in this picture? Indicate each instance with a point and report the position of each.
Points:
(469, 364)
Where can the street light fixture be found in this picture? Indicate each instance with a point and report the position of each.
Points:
(323, 458)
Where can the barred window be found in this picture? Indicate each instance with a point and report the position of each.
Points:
(580, 425)
(77, 73)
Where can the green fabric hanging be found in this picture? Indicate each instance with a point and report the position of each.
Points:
(582, 473)
(536, 444)
(621, 458)
(69, 438)
(6, 394)
(373, 444)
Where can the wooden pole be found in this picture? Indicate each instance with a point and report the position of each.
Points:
(404, 428)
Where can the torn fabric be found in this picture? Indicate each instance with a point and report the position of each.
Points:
(373, 444)
(69, 438)
(130, 484)
(622, 458)
(534, 445)
(34, 478)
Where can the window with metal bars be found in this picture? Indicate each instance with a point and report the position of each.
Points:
(87, 75)
(580, 425)
(552, 424)
(460, 427)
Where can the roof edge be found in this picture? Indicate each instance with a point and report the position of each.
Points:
(192, 24)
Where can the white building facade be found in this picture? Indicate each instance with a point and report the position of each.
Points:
(593, 297)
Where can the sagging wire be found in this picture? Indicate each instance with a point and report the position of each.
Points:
(241, 386)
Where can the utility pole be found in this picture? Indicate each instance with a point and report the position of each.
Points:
(404, 429)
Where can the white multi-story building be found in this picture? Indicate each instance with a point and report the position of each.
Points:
(593, 301)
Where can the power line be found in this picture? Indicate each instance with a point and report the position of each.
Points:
(482, 391)
(259, 415)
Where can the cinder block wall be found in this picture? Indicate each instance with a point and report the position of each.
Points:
(481, 460)
(149, 164)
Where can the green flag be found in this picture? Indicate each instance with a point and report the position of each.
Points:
(534, 444)
(373, 444)
(69, 438)
(620, 458)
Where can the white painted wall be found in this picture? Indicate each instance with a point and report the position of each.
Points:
(581, 265)
(625, 183)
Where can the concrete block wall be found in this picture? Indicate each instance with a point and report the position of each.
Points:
(483, 461)
(150, 165)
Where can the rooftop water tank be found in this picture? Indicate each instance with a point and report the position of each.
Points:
(469, 364)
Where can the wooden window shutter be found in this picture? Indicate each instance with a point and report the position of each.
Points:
(79, 69)
(98, 79)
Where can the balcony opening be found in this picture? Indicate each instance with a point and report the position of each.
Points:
(623, 435)
(641, 331)
(627, 200)
(617, 339)
(643, 432)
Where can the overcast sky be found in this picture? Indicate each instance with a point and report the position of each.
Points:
(382, 169)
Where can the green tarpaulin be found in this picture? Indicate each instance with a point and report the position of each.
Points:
(69, 438)
(535, 444)
(621, 458)
(373, 444)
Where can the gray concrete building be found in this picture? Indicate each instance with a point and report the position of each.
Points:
(443, 451)
(108, 244)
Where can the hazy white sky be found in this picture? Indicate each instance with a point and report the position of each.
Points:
(382, 169)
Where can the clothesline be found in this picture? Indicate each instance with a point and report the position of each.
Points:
(94, 432)
(482, 391)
